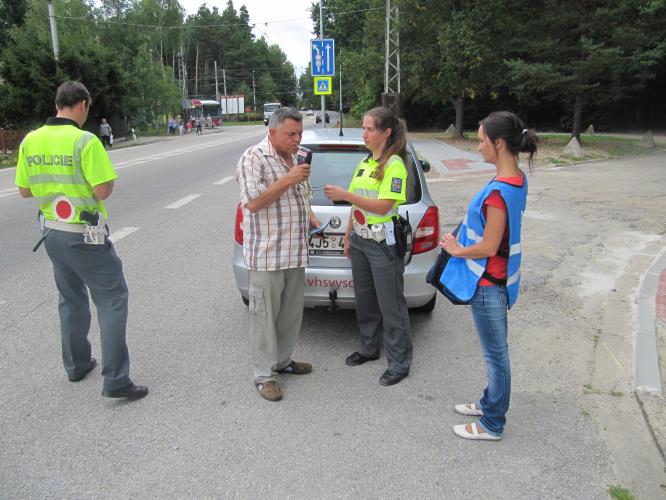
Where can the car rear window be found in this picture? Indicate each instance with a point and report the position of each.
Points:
(336, 165)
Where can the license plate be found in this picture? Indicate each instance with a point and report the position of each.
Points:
(326, 244)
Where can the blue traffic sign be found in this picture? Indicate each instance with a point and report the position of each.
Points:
(323, 57)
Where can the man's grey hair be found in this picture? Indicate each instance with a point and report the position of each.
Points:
(280, 115)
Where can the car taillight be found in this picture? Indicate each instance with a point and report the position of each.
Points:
(238, 228)
(426, 236)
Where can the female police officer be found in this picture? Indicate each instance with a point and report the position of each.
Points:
(375, 192)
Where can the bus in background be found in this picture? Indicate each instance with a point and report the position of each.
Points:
(269, 107)
(207, 107)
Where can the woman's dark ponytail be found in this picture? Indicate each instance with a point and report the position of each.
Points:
(508, 126)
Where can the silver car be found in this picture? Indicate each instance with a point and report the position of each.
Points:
(328, 277)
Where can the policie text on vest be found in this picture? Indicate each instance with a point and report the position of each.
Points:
(59, 160)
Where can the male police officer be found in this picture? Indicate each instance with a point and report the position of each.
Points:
(67, 171)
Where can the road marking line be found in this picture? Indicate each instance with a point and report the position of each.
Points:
(121, 233)
(13, 190)
(8, 194)
(223, 181)
(183, 201)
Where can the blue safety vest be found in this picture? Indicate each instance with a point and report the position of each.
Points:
(461, 276)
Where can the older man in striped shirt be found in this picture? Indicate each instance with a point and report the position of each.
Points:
(274, 191)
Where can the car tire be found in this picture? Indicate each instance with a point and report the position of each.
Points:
(428, 307)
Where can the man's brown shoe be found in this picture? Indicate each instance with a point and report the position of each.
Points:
(269, 390)
(296, 368)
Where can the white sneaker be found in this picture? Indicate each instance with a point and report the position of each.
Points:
(468, 409)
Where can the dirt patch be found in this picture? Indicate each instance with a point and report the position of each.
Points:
(551, 146)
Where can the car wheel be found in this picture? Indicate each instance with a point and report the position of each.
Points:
(428, 307)
(246, 301)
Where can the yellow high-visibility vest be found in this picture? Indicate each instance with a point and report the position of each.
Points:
(60, 164)
(391, 187)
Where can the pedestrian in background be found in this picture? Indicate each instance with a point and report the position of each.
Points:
(276, 213)
(484, 268)
(200, 125)
(375, 193)
(69, 193)
(105, 133)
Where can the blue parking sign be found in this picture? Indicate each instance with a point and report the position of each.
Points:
(323, 57)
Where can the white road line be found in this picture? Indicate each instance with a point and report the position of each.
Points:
(8, 194)
(121, 233)
(12, 190)
(223, 181)
(183, 201)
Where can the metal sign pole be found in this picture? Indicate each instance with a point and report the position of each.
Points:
(321, 36)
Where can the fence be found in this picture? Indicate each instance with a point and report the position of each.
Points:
(10, 139)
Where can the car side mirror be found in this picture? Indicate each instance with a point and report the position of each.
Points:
(425, 166)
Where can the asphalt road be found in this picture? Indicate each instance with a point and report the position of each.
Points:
(203, 431)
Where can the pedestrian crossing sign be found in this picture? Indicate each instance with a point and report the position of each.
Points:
(323, 85)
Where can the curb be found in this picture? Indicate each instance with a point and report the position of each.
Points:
(647, 377)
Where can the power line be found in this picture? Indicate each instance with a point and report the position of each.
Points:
(196, 26)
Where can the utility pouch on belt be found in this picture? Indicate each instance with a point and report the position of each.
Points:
(403, 235)
(95, 229)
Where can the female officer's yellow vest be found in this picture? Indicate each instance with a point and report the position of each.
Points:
(60, 164)
(392, 187)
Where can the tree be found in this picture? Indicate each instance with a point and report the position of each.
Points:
(590, 52)
(12, 13)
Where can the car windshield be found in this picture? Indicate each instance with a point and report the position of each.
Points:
(336, 165)
(271, 107)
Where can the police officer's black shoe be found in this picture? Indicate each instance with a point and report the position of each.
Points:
(91, 367)
(391, 378)
(131, 392)
(356, 358)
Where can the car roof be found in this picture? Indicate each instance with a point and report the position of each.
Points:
(332, 136)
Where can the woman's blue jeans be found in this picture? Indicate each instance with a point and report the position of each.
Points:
(489, 308)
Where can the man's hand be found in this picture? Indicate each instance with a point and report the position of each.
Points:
(298, 173)
(314, 222)
(335, 193)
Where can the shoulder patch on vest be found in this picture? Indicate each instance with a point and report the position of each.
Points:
(396, 185)
(360, 172)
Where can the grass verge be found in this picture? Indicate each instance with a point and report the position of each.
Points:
(7, 161)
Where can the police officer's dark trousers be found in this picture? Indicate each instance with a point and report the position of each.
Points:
(79, 267)
(380, 301)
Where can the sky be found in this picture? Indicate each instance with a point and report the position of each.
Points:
(286, 24)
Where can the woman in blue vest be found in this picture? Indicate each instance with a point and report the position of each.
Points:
(484, 269)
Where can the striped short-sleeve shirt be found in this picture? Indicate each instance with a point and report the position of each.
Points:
(275, 237)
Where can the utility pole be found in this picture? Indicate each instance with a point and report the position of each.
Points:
(321, 37)
(196, 74)
(217, 90)
(254, 93)
(54, 30)
(224, 82)
(391, 95)
(183, 72)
